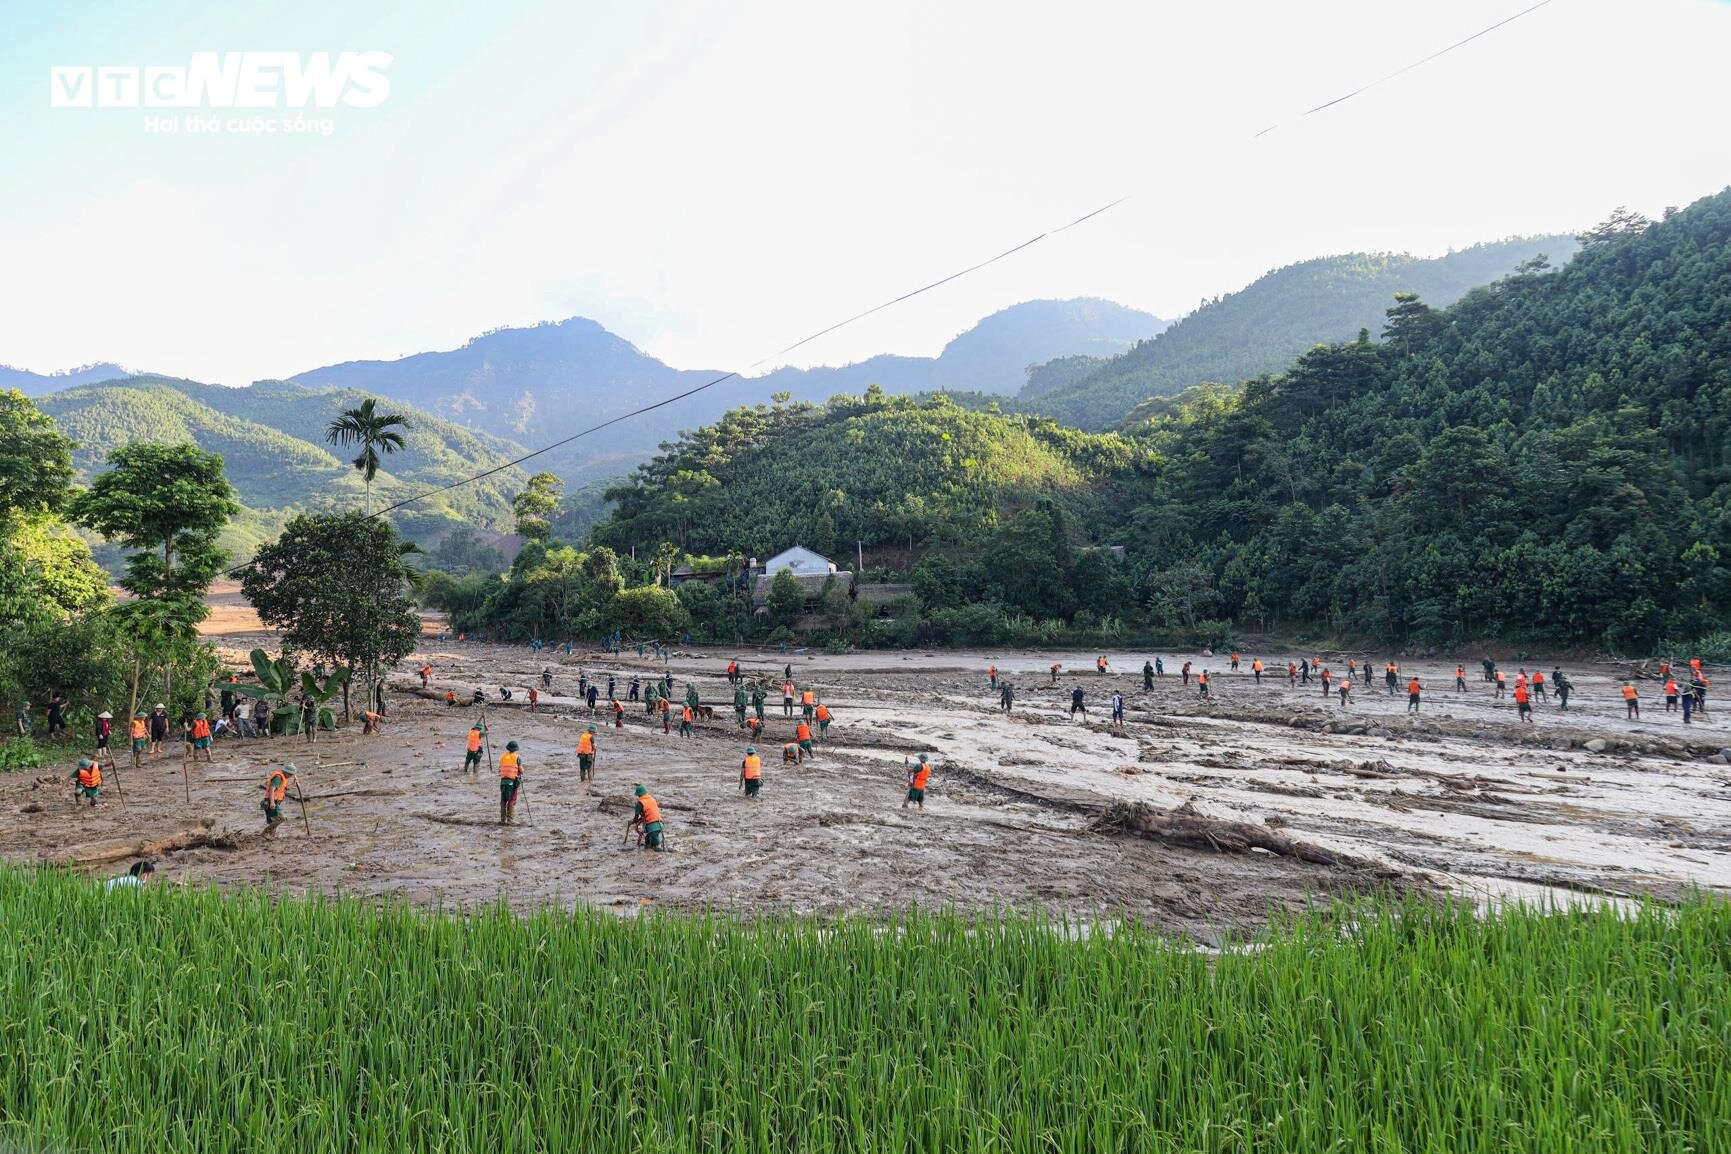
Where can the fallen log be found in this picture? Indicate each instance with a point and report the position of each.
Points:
(195, 838)
(1186, 827)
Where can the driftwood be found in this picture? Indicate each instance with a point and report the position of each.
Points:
(96, 855)
(1186, 827)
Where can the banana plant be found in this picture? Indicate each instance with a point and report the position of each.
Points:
(278, 683)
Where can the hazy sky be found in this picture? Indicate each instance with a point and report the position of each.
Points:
(715, 181)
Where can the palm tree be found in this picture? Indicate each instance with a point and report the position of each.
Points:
(373, 432)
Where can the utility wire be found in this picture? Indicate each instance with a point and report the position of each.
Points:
(424, 494)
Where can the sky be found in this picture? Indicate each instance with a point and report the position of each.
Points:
(715, 181)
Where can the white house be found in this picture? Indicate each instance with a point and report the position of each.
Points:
(801, 561)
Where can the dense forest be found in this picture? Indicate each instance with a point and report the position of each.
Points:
(1544, 462)
(1264, 326)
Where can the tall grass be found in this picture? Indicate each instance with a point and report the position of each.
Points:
(195, 1020)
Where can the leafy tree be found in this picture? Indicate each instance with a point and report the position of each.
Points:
(373, 433)
(937, 582)
(462, 553)
(647, 611)
(35, 459)
(786, 598)
(536, 505)
(339, 588)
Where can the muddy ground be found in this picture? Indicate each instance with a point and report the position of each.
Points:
(1461, 797)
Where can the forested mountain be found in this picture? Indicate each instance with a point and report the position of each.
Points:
(992, 357)
(36, 384)
(544, 383)
(1262, 327)
(272, 439)
(1546, 462)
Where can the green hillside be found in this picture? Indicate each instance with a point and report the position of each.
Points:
(1261, 328)
(877, 469)
(271, 437)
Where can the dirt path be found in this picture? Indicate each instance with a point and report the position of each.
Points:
(1461, 796)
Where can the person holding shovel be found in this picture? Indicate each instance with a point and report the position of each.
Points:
(510, 781)
(276, 787)
(646, 820)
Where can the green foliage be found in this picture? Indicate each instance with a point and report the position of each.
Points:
(1405, 1027)
(886, 471)
(647, 611)
(281, 686)
(35, 459)
(18, 753)
(786, 598)
(337, 587)
(462, 553)
(1262, 327)
(536, 505)
(375, 434)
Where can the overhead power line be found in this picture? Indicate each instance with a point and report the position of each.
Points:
(433, 492)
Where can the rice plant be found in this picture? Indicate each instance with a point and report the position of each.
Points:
(200, 1020)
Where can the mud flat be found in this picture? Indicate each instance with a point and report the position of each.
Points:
(1459, 798)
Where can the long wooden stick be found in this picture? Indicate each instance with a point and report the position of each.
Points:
(114, 768)
(302, 798)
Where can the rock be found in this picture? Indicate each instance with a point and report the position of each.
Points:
(1596, 745)
(1720, 759)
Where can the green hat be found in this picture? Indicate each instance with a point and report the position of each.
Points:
(640, 791)
(477, 725)
(139, 716)
(591, 729)
(751, 749)
(84, 763)
(289, 767)
(510, 747)
(200, 716)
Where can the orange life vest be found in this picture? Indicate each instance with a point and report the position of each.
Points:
(1671, 688)
(1412, 686)
(807, 697)
(1256, 666)
(1629, 693)
(921, 774)
(508, 766)
(1520, 695)
(200, 728)
(474, 741)
(90, 778)
(685, 714)
(790, 752)
(803, 732)
(651, 809)
(1538, 679)
(139, 731)
(586, 744)
(823, 713)
(752, 767)
(1460, 671)
(276, 787)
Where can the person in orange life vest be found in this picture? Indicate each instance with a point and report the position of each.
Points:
(790, 753)
(534, 697)
(276, 787)
(1352, 666)
(1631, 701)
(1326, 677)
(472, 755)
(1664, 669)
(586, 755)
(751, 772)
(1055, 667)
(1537, 685)
(450, 697)
(200, 733)
(140, 736)
(646, 820)
(1412, 694)
(371, 722)
(1460, 679)
(1502, 686)
(993, 674)
(802, 734)
(666, 708)
(618, 714)
(823, 719)
(1523, 701)
(918, 776)
(1670, 694)
(1235, 663)
(1202, 684)
(1256, 670)
(510, 781)
(807, 703)
(426, 675)
(88, 779)
(754, 726)
(732, 672)
(1292, 675)
(1100, 663)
